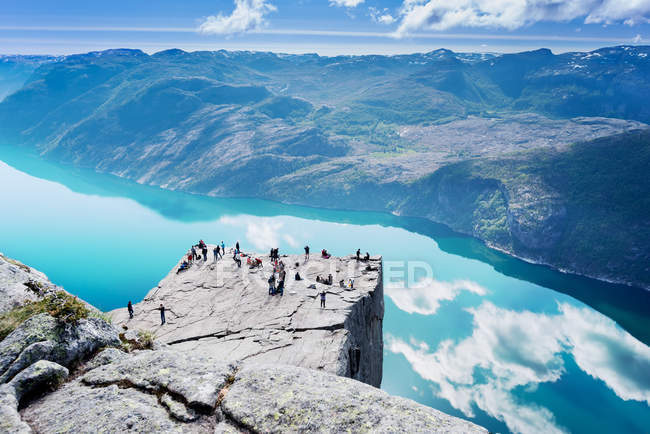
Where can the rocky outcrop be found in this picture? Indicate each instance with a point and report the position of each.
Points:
(288, 399)
(172, 391)
(219, 309)
(38, 378)
(19, 283)
(43, 338)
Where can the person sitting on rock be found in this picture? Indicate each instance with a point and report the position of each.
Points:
(324, 254)
(184, 266)
(237, 259)
(298, 276)
(367, 257)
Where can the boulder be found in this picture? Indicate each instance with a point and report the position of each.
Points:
(39, 377)
(38, 328)
(10, 421)
(44, 338)
(19, 283)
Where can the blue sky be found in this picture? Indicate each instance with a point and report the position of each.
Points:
(327, 27)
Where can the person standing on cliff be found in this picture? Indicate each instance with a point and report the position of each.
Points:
(162, 314)
(322, 299)
(215, 252)
(130, 309)
(237, 246)
(306, 253)
(223, 248)
(193, 253)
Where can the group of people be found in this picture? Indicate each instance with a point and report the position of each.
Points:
(366, 258)
(129, 307)
(276, 286)
(279, 268)
(199, 252)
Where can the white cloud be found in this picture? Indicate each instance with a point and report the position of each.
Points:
(346, 3)
(247, 15)
(637, 39)
(524, 349)
(511, 14)
(425, 297)
(381, 16)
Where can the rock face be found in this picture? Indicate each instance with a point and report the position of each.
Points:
(219, 309)
(172, 391)
(19, 283)
(42, 338)
(288, 399)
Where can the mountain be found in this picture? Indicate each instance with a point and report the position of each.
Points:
(15, 70)
(422, 134)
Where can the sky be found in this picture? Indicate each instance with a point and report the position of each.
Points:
(326, 27)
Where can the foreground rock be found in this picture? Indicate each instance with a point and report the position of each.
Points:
(219, 309)
(19, 283)
(171, 391)
(289, 399)
(44, 338)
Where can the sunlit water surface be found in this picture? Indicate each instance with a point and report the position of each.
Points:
(482, 336)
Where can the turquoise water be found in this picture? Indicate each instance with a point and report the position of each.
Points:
(513, 346)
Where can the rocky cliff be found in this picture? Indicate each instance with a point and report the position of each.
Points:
(19, 283)
(218, 308)
(78, 376)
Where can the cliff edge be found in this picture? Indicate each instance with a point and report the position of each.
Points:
(221, 309)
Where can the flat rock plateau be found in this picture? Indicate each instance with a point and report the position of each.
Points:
(220, 309)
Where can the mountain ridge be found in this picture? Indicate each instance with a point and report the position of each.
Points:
(356, 132)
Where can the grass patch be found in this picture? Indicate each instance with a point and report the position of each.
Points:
(101, 315)
(145, 340)
(61, 305)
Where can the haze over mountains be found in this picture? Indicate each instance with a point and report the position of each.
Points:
(483, 143)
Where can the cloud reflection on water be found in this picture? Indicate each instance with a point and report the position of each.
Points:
(511, 350)
(424, 297)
